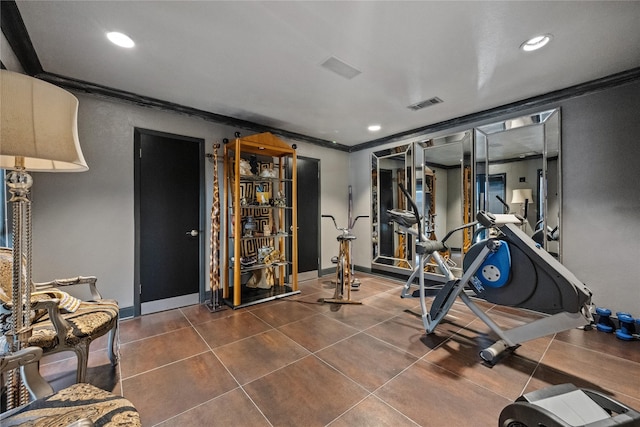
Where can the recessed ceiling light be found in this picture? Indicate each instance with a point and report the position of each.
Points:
(120, 39)
(374, 128)
(536, 42)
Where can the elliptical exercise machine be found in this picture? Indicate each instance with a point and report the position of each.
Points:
(510, 269)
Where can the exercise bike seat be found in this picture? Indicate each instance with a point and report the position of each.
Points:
(343, 237)
(565, 405)
(403, 217)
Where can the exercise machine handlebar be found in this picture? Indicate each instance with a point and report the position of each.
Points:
(356, 219)
(344, 230)
(501, 200)
(415, 210)
(335, 223)
(421, 237)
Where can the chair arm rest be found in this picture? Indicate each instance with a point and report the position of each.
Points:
(80, 280)
(19, 358)
(25, 360)
(52, 306)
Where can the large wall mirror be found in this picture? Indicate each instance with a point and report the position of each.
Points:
(389, 168)
(517, 170)
(511, 166)
(433, 171)
(444, 191)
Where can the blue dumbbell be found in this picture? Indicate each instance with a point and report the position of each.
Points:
(605, 324)
(627, 326)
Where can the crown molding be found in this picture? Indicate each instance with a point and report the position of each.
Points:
(498, 113)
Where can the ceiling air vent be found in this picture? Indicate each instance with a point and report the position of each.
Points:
(423, 104)
(341, 68)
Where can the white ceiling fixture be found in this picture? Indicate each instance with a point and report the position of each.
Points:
(374, 128)
(536, 43)
(120, 39)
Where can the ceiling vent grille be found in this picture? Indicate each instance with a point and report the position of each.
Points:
(341, 68)
(423, 104)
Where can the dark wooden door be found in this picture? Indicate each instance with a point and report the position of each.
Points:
(169, 223)
(308, 176)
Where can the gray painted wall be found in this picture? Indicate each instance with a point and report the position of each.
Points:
(83, 223)
(601, 194)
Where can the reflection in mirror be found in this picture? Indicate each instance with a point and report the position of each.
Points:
(391, 247)
(517, 171)
(445, 170)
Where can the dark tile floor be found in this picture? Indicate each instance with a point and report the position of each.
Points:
(297, 362)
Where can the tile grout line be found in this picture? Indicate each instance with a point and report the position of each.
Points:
(229, 372)
(156, 335)
(366, 332)
(309, 353)
(370, 393)
(535, 369)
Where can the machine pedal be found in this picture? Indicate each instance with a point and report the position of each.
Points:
(442, 298)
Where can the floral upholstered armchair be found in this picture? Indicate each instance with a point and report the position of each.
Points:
(80, 405)
(59, 321)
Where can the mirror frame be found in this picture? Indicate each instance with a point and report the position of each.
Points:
(392, 264)
(440, 155)
(550, 122)
(416, 155)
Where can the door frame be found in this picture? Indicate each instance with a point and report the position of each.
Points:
(202, 225)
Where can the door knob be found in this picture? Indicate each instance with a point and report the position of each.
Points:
(193, 233)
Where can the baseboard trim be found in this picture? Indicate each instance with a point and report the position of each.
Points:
(169, 303)
(126, 312)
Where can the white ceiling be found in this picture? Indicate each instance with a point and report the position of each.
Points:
(261, 61)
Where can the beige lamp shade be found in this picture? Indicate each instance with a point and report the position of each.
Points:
(522, 194)
(38, 126)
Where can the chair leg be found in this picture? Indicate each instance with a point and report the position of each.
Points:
(82, 353)
(113, 346)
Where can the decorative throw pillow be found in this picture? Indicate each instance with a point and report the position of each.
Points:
(68, 303)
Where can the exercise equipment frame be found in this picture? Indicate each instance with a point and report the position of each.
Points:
(568, 305)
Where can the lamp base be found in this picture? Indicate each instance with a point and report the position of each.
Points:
(19, 182)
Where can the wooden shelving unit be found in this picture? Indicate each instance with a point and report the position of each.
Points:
(273, 209)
